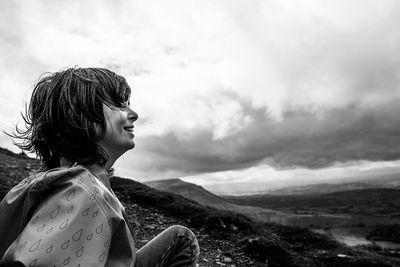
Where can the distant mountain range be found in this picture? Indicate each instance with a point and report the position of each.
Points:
(389, 182)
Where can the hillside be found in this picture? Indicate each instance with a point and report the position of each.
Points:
(191, 191)
(206, 198)
(226, 238)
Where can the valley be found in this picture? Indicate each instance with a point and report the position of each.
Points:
(347, 216)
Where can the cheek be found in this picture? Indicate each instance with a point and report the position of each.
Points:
(117, 121)
(98, 131)
(114, 124)
(114, 120)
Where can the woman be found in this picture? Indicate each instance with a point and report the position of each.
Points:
(79, 122)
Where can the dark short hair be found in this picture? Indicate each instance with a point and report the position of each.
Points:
(65, 115)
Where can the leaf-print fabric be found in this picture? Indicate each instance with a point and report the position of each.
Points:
(66, 217)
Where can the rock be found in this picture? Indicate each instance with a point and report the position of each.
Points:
(221, 223)
(227, 253)
(150, 227)
(234, 227)
(227, 260)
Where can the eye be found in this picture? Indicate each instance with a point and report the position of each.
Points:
(124, 105)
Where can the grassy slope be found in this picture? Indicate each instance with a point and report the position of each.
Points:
(191, 191)
(281, 246)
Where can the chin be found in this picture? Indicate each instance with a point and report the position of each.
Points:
(124, 148)
(130, 146)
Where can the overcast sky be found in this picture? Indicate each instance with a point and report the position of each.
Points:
(226, 91)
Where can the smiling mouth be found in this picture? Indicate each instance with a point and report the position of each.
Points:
(129, 129)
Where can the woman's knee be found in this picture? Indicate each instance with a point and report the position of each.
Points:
(182, 231)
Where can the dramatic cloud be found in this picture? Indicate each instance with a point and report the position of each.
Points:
(301, 138)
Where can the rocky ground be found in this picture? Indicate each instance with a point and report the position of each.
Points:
(225, 238)
(213, 252)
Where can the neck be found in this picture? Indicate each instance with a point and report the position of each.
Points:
(111, 156)
(109, 164)
(102, 172)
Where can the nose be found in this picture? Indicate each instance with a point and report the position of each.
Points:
(132, 115)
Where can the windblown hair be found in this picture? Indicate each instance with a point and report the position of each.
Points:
(65, 116)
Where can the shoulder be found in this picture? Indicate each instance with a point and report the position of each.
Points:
(79, 185)
(69, 187)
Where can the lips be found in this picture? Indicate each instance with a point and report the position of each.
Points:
(129, 129)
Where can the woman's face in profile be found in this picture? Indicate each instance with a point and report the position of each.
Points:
(119, 129)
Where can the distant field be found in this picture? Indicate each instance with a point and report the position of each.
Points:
(366, 207)
(374, 202)
(351, 217)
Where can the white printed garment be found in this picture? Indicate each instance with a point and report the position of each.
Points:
(65, 217)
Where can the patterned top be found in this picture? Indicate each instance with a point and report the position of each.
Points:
(65, 216)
